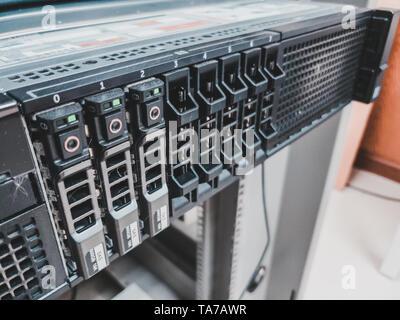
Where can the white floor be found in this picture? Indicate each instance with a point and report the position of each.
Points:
(354, 237)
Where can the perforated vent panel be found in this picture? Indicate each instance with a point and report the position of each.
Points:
(320, 75)
(22, 256)
(55, 71)
(27, 244)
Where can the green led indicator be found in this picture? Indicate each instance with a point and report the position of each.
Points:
(107, 106)
(156, 91)
(116, 102)
(71, 118)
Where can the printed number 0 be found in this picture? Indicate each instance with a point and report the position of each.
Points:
(56, 98)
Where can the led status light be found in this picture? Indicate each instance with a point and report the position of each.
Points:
(116, 102)
(71, 118)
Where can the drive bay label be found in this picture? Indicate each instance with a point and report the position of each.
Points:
(160, 219)
(96, 259)
(131, 236)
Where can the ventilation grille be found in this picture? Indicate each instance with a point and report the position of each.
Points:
(320, 75)
(58, 70)
(22, 257)
(117, 177)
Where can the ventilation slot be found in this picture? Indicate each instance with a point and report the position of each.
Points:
(75, 179)
(78, 194)
(117, 173)
(114, 160)
(121, 202)
(153, 186)
(84, 223)
(81, 209)
(153, 172)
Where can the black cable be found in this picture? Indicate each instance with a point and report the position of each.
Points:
(259, 270)
(375, 194)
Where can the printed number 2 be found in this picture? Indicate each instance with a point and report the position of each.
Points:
(142, 73)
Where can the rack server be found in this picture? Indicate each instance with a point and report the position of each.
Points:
(102, 138)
